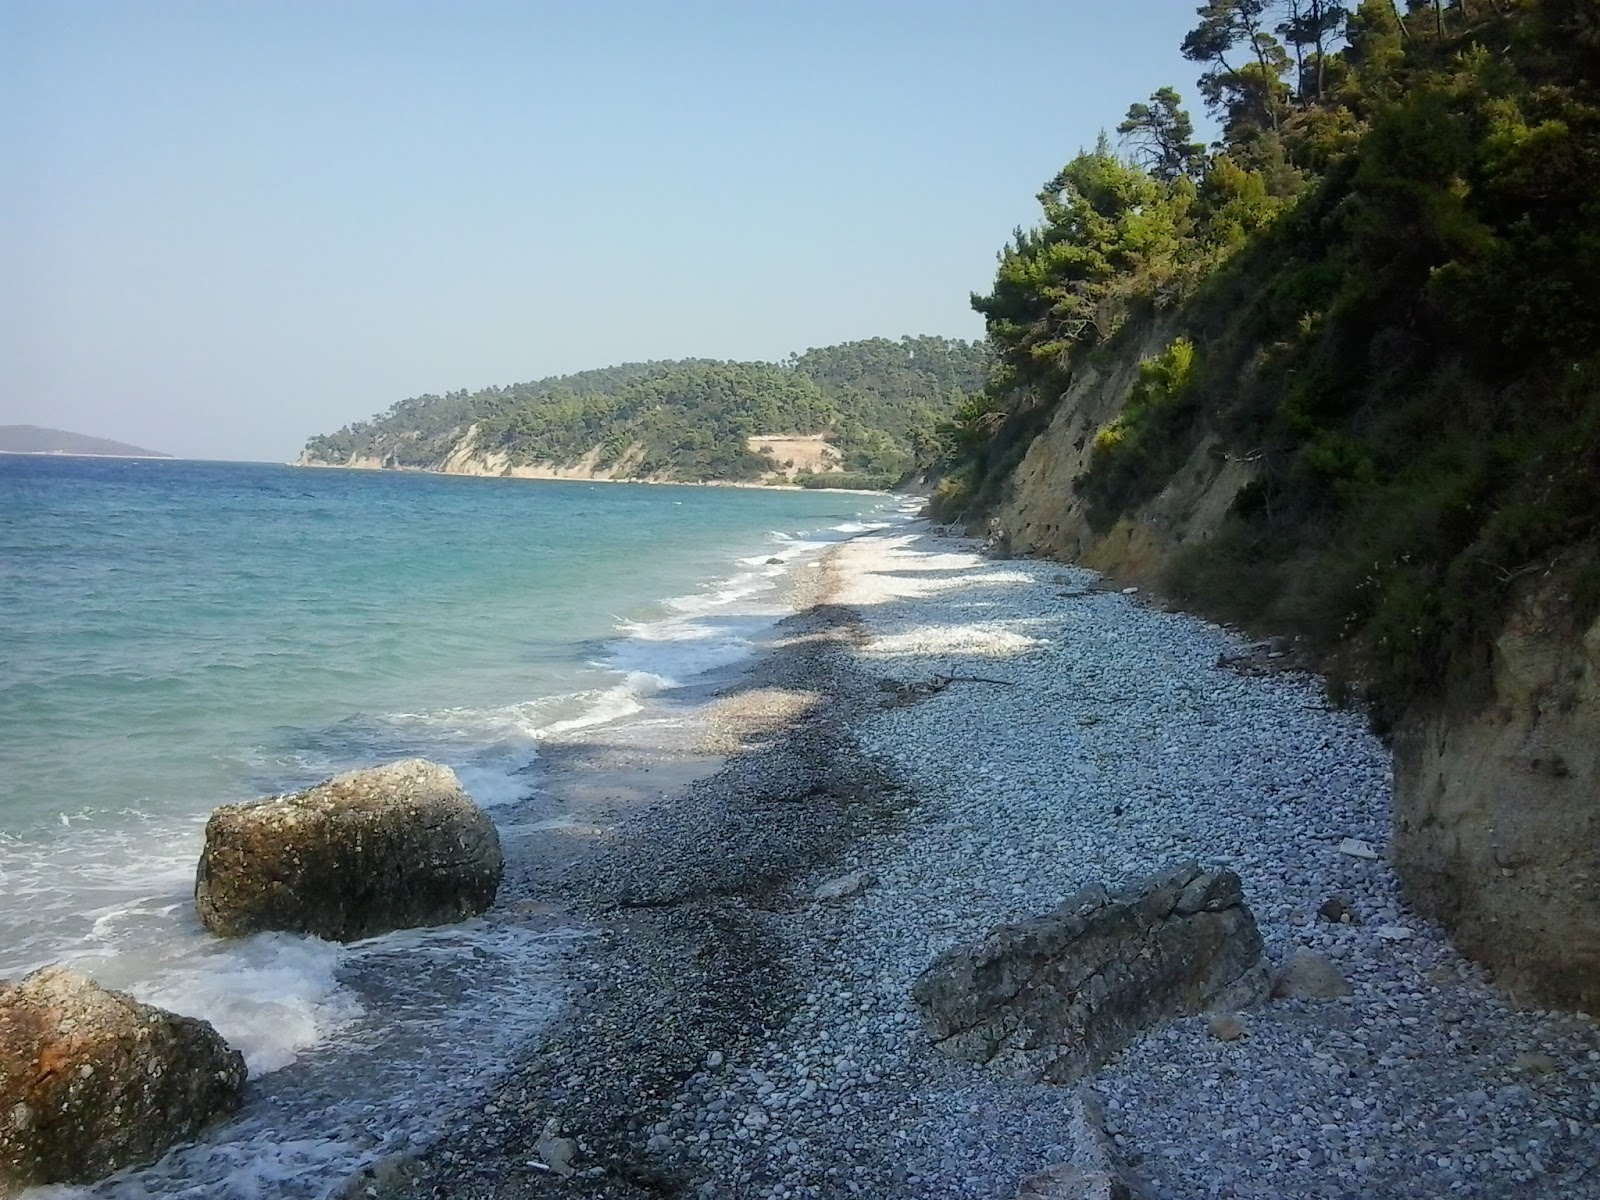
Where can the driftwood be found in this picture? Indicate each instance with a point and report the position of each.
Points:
(904, 692)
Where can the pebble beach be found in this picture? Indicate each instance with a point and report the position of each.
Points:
(937, 743)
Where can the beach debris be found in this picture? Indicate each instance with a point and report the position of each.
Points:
(1535, 1062)
(1356, 848)
(844, 886)
(907, 691)
(393, 847)
(1271, 656)
(1225, 1028)
(92, 1081)
(385, 1177)
(1337, 910)
(1307, 975)
(556, 1152)
(1055, 997)
(997, 542)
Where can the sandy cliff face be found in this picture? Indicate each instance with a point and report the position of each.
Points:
(356, 462)
(796, 453)
(1043, 514)
(1497, 810)
(469, 459)
(466, 457)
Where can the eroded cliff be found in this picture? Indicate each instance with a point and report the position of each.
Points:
(1043, 512)
(1497, 810)
(1496, 785)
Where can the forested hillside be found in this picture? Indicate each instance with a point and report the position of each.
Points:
(1382, 290)
(1339, 375)
(876, 402)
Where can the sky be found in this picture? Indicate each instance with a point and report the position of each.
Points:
(228, 225)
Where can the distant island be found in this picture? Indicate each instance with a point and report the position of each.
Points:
(35, 439)
(860, 414)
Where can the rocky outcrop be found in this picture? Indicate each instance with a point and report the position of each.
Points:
(1496, 822)
(1055, 997)
(361, 854)
(92, 1081)
(1497, 817)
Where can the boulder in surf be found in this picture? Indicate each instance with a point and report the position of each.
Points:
(91, 1080)
(364, 853)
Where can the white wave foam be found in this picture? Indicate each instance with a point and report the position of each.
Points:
(721, 624)
(743, 586)
(677, 650)
(447, 1006)
(610, 704)
(492, 786)
(271, 996)
(511, 727)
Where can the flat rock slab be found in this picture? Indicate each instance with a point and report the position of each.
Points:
(91, 1080)
(390, 848)
(1094, 1171)
(844, 886)
(1055, 997)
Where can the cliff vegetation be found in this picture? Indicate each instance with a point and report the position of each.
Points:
(1380, 291)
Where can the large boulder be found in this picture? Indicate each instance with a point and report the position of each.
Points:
(1055, 997)
(91, 1080)
(358, 855)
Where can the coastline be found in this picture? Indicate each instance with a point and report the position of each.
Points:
(731, 1035)
(546, 474)
(86, 454)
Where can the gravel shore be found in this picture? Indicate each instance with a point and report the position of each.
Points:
(731, 1035)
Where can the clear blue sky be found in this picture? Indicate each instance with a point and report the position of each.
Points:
(225, 226)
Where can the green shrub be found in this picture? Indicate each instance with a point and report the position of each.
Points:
(952, 497)
(1135, 452)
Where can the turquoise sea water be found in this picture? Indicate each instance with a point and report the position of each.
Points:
(175, 635)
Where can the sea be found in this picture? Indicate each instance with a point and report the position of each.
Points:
(175, 635)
